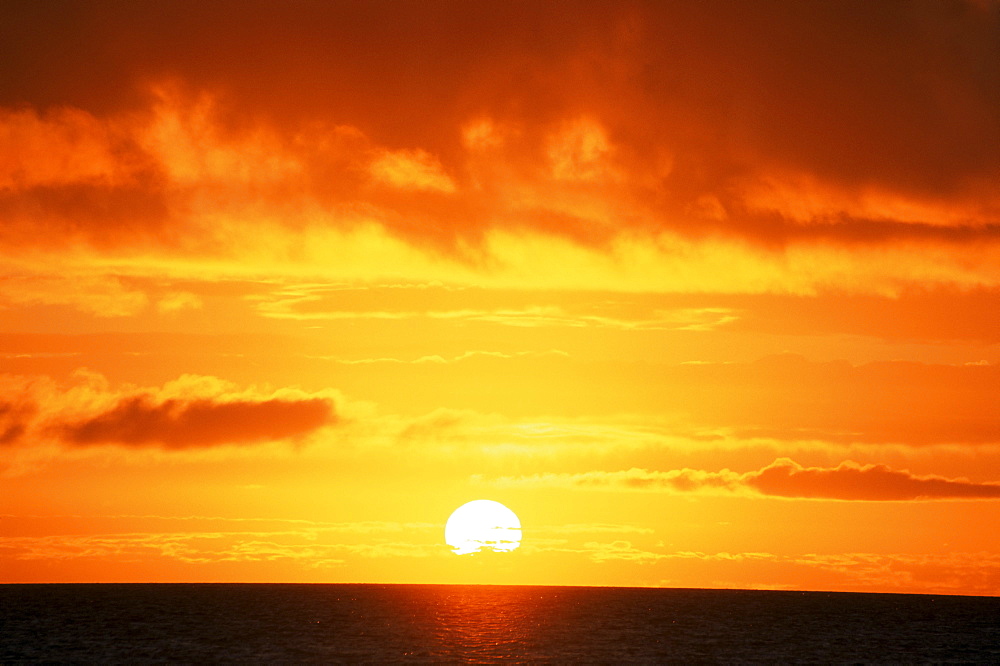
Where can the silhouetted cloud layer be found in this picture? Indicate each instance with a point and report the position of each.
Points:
(782, 478)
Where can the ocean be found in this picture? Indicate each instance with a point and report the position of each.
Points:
(289, 623)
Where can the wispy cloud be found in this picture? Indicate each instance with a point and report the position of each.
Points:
(213, 539)
(100, 295)
(416, 170)
(681, 319)
(441, 360)
(206, 547)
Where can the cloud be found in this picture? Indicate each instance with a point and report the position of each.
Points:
(212, 539)
(204, 548)
(448, 425)
(196, 412)
(23, 525)
(311, 303)
(103, 296)
(441, 360)
(178, 424)
(683, 480)
(13, 421)
(590, 528)
(619, 148)
(621, 550)
(579, 151)
(774, 403)
(415, 170)
(412, 73)
(783, 478)
(190, 413)
(941, 573)
(179, 300)
(64, 146)
(851, 481)
(953, 572)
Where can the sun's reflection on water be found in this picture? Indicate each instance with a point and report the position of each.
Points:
(487, 622)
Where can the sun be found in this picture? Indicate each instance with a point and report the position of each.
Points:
(482, 525)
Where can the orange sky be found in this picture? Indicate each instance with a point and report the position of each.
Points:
(707, 293)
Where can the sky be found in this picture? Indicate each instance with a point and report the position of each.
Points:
(706, 293)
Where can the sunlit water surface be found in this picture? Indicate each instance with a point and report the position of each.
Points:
(430, 623)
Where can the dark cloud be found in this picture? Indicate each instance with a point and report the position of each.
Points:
(15, 416)
(180, 424)
(191, 412)
(782, 478)
(66, 213)
(898, 96)
(850, 481)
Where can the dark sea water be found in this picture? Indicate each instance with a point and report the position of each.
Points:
(234, 623)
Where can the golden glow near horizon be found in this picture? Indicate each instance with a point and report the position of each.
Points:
(707, 291)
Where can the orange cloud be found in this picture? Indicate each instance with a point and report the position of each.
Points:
(850, 481)
(782, 478)
(415, 170)
(177, 424)
(103, 296)
(192, 191)
(507, 155)
(187, 138)
(532, 316)
(204, 547)
(580, 151)
(14, 417)
(190, 413)
(64, 146)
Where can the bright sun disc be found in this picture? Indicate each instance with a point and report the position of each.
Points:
(482, 525)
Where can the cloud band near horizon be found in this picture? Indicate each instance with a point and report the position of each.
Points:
(783, 478)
